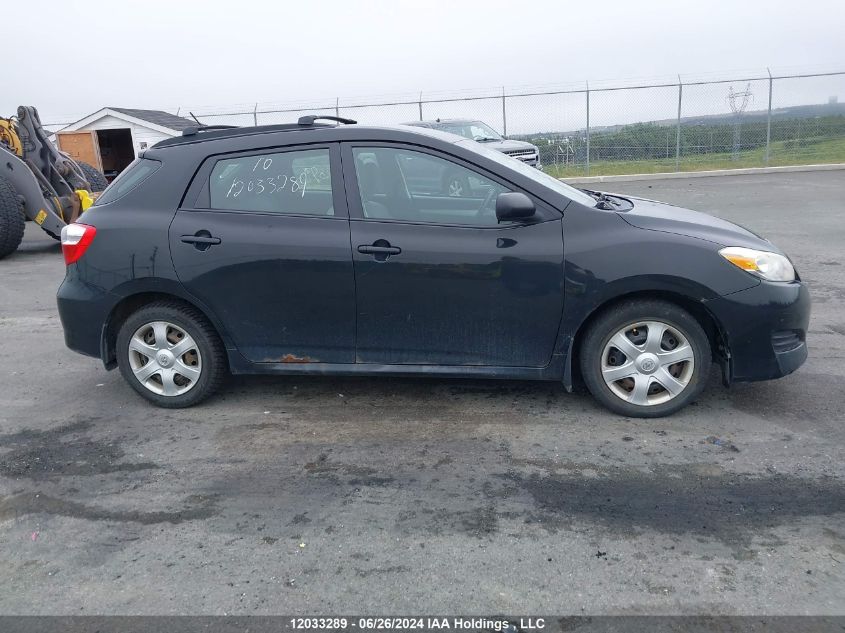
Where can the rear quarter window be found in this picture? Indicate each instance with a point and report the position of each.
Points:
(137, 172)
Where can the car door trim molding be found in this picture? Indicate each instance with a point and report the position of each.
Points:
(551, 372)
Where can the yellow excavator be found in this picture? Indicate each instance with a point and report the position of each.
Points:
(38, 182)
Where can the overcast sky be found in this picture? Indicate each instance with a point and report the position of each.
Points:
(71, 58)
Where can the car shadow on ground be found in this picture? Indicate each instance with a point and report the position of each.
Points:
(420, 390)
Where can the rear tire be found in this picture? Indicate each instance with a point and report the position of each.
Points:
(194, 371)
(631, 382)
(94, 177)
(12, 220)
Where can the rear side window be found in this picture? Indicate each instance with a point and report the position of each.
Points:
(294, 182)
(131, 177)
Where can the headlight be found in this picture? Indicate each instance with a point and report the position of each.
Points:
(770, 266)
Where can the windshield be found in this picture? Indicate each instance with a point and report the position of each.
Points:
(536, 175)
(475, 130)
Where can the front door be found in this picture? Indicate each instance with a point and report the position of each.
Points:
(438, 279)
(264, 243)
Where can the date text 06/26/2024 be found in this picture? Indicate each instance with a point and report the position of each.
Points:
(429, 623)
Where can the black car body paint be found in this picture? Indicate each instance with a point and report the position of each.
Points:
(296, 294)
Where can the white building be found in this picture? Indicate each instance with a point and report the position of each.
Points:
(111, 138)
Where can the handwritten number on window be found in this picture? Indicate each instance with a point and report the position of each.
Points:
(294, 183)
(236, 188)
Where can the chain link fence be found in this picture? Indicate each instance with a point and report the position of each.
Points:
(749, 121)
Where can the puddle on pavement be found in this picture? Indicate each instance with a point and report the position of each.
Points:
(61, 452)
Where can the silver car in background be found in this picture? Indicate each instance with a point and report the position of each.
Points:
(483, 133)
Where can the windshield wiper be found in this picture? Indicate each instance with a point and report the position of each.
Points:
(603, 202)
(486, 139)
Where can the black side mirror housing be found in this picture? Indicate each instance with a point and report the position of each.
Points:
(514, 205)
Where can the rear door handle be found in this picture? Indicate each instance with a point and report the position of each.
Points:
(202, 240)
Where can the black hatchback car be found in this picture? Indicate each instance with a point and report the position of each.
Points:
(317, 248)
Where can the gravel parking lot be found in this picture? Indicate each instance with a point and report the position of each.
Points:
(369, 496)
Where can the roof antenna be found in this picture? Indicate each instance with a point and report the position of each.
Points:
(194, 117)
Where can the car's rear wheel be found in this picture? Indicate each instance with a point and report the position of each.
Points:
(170, 354)
(645, 358)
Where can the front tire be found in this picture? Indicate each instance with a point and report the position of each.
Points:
(645, 358)
(171, 355)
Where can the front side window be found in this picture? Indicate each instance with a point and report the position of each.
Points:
(411, 186)
(295, 182)
(548, 181)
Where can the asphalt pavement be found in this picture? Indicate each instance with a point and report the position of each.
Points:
(383, 495)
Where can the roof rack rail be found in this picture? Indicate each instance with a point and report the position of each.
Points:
(190, 131)
(311, 118)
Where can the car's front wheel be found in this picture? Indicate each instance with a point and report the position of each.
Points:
(171, 355)
(645, 358)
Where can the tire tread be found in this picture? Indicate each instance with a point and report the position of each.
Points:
(12, 221)
(94, 176)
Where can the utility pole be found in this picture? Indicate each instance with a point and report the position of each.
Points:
(738, 102)
(588, 128)
(678, 130)
(769, 119)
(504, 115)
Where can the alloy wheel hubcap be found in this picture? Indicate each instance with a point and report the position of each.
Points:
(647, 363)
(164, 358)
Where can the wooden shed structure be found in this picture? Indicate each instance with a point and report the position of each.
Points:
(111, 138)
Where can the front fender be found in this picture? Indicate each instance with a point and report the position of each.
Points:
(607, 259)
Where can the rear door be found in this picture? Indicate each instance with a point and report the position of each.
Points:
(262, 239)
(438, 279)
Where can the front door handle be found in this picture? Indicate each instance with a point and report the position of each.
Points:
(202, 240)
(372, 250)
(380, 250)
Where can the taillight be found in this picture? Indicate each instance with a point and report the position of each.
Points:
(76, 238)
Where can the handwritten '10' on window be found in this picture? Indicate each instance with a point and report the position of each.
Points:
(266, 179)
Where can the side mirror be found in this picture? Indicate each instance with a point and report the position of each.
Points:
(514, 206)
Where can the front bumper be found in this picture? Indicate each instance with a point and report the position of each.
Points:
(532, 159)
(765, 329)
